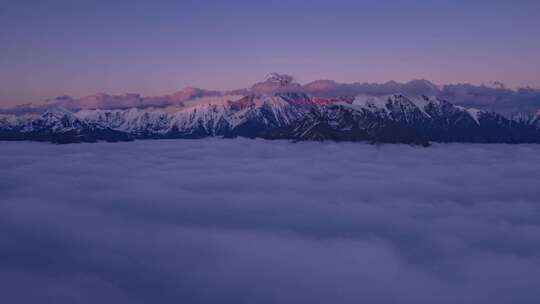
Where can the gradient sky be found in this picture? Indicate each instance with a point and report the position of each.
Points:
(77, 47)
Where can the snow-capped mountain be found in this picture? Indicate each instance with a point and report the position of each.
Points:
(228, 116)
(279, 115)
(398, 118)
(57, 125)
(246, 116)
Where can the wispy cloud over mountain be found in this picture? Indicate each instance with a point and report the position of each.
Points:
(486, 97)
(499, 99)
(130, 100)
(492, 97)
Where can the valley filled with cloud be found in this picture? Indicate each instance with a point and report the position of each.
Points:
(254, 221)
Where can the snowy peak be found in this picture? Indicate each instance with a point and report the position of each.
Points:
(279, 79)
(59, 118)
(399, 106)
(396, 106)
(276, 83)
(58, 112)
(372, 102)
(215, 117)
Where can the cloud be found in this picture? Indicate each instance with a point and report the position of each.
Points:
(252, 221)
(495, 98)
(328, 88)
(274, 83)
(498, 99)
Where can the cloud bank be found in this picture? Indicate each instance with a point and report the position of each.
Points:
(495, 97)
(250, 221)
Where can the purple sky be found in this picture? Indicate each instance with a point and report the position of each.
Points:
(55, 47)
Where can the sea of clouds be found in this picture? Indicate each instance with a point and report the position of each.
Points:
(252, 221)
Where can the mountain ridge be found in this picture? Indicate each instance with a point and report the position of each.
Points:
(293, 115)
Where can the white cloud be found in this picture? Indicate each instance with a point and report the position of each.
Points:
(237, 221)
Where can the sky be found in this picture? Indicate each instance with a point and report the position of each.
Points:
(77, 47)
(252, 221)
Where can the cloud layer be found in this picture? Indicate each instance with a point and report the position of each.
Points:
(495, 97)
(251, 221)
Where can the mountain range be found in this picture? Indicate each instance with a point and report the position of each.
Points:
(277, 108)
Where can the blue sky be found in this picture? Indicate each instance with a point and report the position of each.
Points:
(51, 48)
